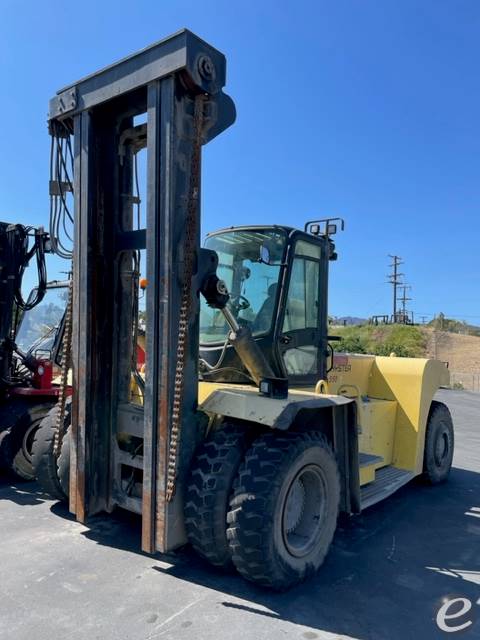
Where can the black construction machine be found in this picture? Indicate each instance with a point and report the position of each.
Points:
(29, 338)
(230, 436)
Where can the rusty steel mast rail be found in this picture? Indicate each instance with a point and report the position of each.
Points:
(161, 81)
(183, 51)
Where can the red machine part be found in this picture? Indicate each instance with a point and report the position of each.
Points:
(42, 382)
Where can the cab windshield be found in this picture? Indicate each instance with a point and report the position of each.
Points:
(249, 262)
(38, 326)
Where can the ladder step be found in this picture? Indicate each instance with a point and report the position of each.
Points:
(127, 459)
(387, 481)
(366, 459)
(368, 464)
(130, 503)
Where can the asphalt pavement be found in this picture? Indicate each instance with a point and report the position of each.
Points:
(388, 573)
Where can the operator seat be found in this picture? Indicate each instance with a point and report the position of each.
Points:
(263, 319)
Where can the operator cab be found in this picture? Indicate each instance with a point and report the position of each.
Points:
(277, 278)
(39, 328)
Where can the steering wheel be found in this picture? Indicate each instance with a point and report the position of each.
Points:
(239, 302)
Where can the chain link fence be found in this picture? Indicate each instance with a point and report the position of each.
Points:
(469, 381)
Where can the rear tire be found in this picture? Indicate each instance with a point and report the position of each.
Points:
(17, 442)
(49, 473)
(209, 489)
(439, 444)
(284, 510)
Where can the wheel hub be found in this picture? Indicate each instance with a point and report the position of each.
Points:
(27, 442)
(304, 511)
(294, 505)
(441, 448)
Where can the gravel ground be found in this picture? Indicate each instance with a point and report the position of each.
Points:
(385, 578)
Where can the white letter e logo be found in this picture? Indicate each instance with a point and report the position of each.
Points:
(443, 616)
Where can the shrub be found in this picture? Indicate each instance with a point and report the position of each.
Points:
(403, 340)
(351, 344)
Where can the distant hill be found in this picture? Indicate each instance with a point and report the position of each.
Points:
(348, 320)
(442, 323)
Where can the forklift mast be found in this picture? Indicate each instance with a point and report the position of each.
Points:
(167, 98)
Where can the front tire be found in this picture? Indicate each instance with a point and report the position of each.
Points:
(439, 444)
(209, 489)
(284, 510)
(51, 475)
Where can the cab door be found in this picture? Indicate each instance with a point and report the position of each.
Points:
(301, 340)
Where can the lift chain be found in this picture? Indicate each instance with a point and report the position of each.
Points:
(66, 358)
(191, 230)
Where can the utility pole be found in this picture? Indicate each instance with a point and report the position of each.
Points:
(404, 300)
(424, 319)
(395, 281)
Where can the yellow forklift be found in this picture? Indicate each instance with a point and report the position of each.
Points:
(250, 435)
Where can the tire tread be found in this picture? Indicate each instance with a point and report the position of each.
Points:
(208, 491)
(438, 411)
(43, 459)
(250, 519)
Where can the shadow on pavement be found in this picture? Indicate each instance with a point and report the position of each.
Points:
(385, 577)
(20, 492)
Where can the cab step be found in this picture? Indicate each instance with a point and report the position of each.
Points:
(387, 481)
(366, 459)
(368, 465)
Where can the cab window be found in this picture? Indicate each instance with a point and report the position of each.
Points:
(300, 322)
(249, 261)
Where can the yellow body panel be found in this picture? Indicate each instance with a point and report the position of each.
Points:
(377, 428)
(245, 403)
(351, 371)
(393, 398)
(412, 382)
(249, 392)
(406, 386)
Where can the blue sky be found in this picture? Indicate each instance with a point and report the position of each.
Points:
(367, 110)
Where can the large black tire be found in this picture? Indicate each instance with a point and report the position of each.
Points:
(16, 440)
(439, 444)
(4, 463)
(209, 489)
(284, 510)
(63, 463)
(24, 434)
(49, 473)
